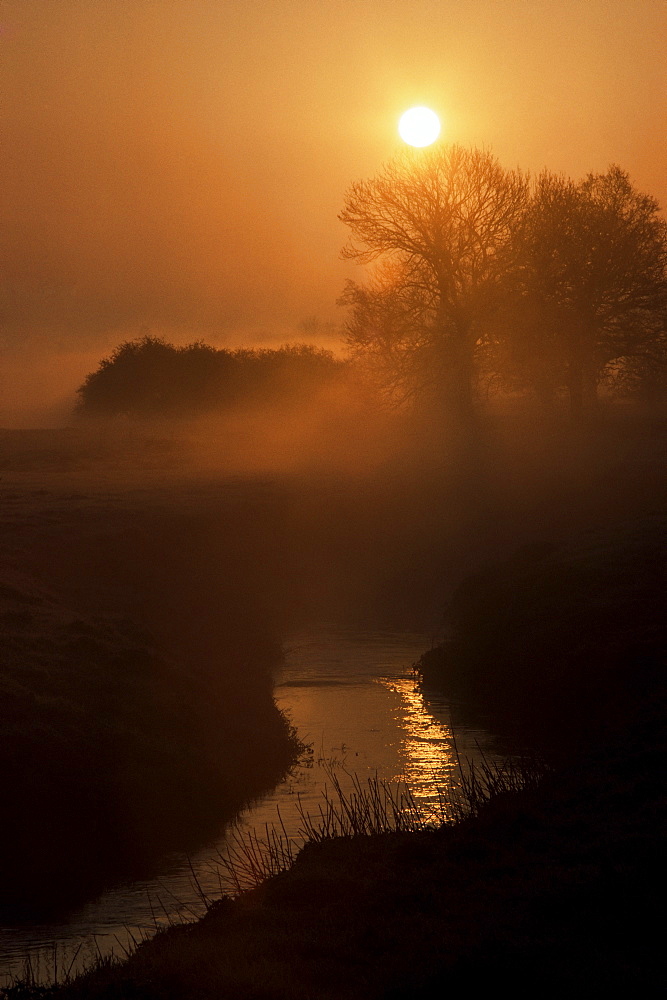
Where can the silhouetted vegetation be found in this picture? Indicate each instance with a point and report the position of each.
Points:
(149, 377)
(587, 300)
(445, 223)
(484, 278)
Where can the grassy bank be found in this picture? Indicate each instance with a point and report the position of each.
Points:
(136, 708)
(114, 753)
(571, 633)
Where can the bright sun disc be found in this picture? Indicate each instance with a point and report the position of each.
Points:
(419, 127)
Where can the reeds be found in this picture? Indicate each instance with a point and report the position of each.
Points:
(40, 976)
(369, 808)
(252, 857)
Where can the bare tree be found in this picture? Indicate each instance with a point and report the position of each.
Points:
(442, 224)
(592, 286)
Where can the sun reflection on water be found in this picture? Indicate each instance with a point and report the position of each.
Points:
(427, 745)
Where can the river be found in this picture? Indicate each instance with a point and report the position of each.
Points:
(351, 695)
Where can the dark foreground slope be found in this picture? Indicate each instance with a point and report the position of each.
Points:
(114, 752)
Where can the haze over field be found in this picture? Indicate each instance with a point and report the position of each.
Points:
(180, 166)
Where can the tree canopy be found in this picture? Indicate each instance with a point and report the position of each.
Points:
(443, 223)
(149, 377)
(594, 273)
(548, 282)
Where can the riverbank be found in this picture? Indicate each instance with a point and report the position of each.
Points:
(136, 675)
(143, 600)
(551, 889)
(570, 634)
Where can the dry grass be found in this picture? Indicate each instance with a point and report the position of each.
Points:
(369, 808)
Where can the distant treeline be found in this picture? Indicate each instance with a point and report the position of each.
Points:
(150, 377)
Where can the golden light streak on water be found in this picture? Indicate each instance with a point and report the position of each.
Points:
(427, 744)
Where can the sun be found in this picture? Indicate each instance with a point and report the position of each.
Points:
(419, 127)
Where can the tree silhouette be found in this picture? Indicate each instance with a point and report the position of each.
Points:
(442, 222)
(138, 377)
(591, 288)
(559, 287)
(149, 377)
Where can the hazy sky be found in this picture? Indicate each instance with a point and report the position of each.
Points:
(180, 163)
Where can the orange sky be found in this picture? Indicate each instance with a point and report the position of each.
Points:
(180, 163)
